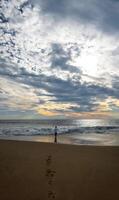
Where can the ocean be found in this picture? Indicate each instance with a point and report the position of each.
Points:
(83, 131)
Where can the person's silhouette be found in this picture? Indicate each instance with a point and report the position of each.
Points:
(55, 134)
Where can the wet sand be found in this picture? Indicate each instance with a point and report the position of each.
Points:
(40, 171)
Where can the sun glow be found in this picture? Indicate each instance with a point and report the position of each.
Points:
(89, 64)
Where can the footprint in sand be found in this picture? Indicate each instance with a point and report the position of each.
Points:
(50, 174)
(49, 160)
(51, 195)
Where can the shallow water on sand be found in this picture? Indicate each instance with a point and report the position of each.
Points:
(76, 139)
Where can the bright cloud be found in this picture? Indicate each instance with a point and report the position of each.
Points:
(63, 56)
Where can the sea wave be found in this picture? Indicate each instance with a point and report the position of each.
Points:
(31, 131)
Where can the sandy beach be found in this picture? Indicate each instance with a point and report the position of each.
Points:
(39, 171)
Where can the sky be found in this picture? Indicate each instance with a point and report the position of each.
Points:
(59, 59)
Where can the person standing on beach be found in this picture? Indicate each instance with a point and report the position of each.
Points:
(55, 134)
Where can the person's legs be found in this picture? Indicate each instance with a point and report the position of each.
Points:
(55, 139)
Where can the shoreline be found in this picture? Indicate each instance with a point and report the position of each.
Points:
(57, 143)
(38, 170)
(72, 139)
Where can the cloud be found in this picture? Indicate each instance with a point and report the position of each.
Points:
(60, 59)
(41, 88)
(104, 15)
(64, 91)
(59, 52)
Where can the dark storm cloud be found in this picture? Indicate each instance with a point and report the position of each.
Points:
(67, 91)
(60, 58)
(3, 19)
(10, 70)
(103, 14)
(71, 91)
(6, 69)
(23, 6)
(80, 94)
(115, 84)
(13, 71)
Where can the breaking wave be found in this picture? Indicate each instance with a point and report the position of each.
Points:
(32, 130)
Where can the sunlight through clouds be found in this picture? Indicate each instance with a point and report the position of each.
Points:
(60, 56)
